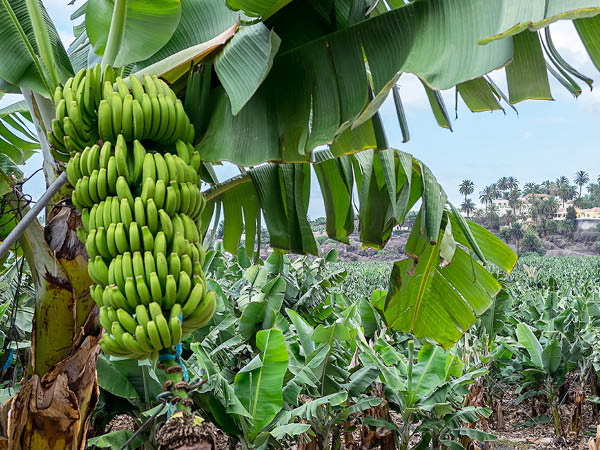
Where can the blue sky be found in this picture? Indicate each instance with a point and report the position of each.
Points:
(546, 140)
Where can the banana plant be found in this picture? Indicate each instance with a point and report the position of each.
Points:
(545, 367)
(258, 90)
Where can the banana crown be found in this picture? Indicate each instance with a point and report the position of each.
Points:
(136, 182)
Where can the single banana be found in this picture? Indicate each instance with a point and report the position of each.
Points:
(107, 297)
(104, 319)
(130, 343)
(101, 270)
(90, 245)
(102, 184)
(174, 266)
(182, 122)
(112, 175)
(186, 198)
(101, 243)
(182, 151)
(152, 216)
(170, 205)
(165, 224)
(138, 120)
(142, 339)
(131, 292)
(162, 172)
(85, 218)
(142, 290)
(92, 219)
(127, 265)
(186, 264)
(120, 300)
(105, 122)
(163, 330)
(183, 288)
(93, 186)
(170, 292)
(123, 191)
(119, 278)
(178, 229)
(193, 300)
(108, 91)
(147, 239)
(135, 242)
(160, 244)
(149, 86)
(156, 116)
(73, 172)
(148, 188)
(122, 88)
(136, 87)
(111, 241)
(160, 192)
(155, 310)
(202, 315)
(154, 336)
(121, 157)
(164, 118)
(149, 266)
(126, 321)
(139, 156)
(116, 110)
(141, 315)
(115, 211)
(155, 289)
(126, 213)
(108, 75)
(127, 118)
(176, 330)
(147, 110)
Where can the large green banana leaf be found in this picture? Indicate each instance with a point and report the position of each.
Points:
(312, 71)
(436, 292)
(21, 64)
(259, 385)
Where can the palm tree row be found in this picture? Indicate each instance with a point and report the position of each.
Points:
(508, 188)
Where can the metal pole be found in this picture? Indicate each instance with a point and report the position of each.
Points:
(20, 228)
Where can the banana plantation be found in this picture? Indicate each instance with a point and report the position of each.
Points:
(127, 323)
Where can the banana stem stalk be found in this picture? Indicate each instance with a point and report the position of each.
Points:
(24, 223)
(115, 34)
(177, 377)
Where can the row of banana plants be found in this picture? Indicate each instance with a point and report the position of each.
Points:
(288, 359)
(541, 339)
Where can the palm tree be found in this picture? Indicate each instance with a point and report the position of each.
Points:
(467, 206)
(516, 233)
(549, 206)
(502, 184)
(547, 186)
(566, 192)
(466, 188)
(531, 188)
(488, 195)
(581, 179)
(260, 94)
(512, 183)
(514, 198)
(509, 217)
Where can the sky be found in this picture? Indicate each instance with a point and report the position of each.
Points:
(547, 139)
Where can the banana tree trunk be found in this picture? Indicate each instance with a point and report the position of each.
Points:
(59, 391)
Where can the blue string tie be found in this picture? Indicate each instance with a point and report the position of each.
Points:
(9, 360)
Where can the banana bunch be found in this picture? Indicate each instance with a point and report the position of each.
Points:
(135, 176)
(95, 105)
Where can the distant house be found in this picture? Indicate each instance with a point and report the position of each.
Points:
(591, 213)
(502, 206)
